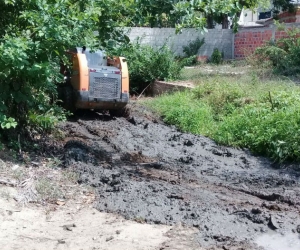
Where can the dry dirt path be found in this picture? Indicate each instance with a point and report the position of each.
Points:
(78, 227)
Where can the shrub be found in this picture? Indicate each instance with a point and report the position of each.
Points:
(33, 40)
(146, 64)
(216, 57)
(193, 47)
(284, 54)
(187, 61)
(190, 52)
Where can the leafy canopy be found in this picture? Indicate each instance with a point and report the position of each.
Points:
(198, 13)
(34, 35)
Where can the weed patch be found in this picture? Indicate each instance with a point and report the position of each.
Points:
(48, 190)
(281, 55)
(189, 116)
(241, 111)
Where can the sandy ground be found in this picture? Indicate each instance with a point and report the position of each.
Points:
(74, 226)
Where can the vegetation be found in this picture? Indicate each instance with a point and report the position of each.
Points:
(207, 13)
(199, 14)
(190, 52)
(262, 115)
(29, 53)
(192, 48)
(185, 13)
(283, 54)
(147, 64)
(33, 38)
(242, 111)
(34, 35)
(216, 57)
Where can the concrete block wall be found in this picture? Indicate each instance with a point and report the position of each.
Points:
(214, 38)
(247, 40)
(234, 46)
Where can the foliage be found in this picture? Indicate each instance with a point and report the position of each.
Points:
(186, 13)
(199, 13)
(187, 61)
(34, 36)
(190, 52)
(48, 119)
(193, 47)
(147, 64)
(282, 5)
(113, 16)
(7, 123)
(156, 13)
(270, 127)
(263, 116)
(30, 46)
(216, 56)
(189, 116)
(284, 54)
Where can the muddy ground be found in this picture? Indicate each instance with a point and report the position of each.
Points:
(152, 173)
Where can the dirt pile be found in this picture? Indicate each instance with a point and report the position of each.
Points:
(153, 173)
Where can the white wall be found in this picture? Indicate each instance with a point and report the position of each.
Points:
(214, 38)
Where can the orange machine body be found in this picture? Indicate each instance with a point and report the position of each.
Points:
(98, 82)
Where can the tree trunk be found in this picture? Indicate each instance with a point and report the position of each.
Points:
(210, 21)
(225, 22)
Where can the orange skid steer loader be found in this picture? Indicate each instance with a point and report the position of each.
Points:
(93, 81)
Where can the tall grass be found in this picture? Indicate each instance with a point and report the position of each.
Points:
(194, 117)
(240, 110)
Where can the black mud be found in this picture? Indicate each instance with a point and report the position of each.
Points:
(150, 172)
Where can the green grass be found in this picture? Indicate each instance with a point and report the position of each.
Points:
(261, 113)
(194, 117)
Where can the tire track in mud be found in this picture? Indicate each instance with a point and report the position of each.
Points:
(153, 173)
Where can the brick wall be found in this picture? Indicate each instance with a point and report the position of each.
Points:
(287, 17)
(247, 40)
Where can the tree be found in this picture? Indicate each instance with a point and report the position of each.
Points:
(198, 13)
(203, 13)
(155, 13)
(282, 5)
(34, 35)
(114, 16)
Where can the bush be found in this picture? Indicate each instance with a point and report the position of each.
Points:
(187, 61)
(284, 54)
(190, 52)
(33, 40)
(216, 57)
(193, 47)
(146, 64)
